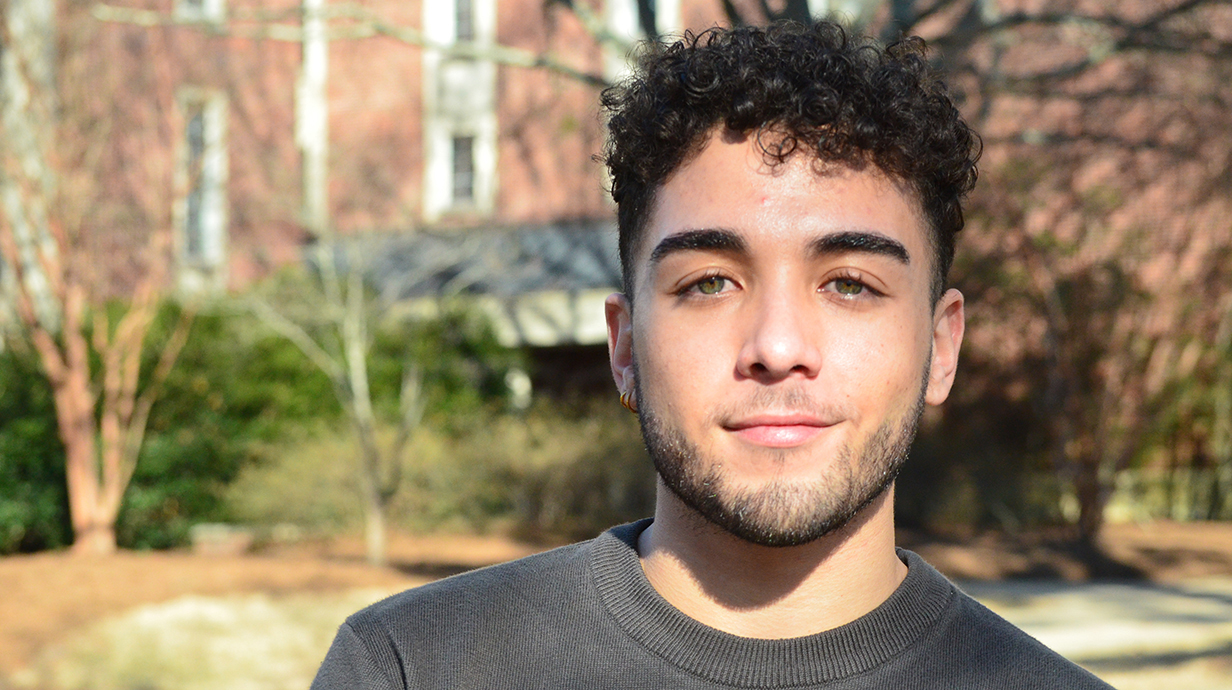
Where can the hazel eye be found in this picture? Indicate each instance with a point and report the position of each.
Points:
(848, 287)
(711, 286)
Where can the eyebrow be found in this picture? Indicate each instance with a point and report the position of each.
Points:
(709, 239)
(861, 241)
(723, 240)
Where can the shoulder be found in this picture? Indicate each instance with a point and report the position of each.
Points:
(527, 583)
(422, 637)
(989, 648)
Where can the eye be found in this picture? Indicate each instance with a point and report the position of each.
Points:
(712, 285)
(848, 287)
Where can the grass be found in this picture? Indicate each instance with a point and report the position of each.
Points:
(248, 642)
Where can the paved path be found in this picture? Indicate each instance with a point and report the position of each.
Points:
(1126, 632)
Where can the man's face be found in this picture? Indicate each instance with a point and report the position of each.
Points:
(783, 340)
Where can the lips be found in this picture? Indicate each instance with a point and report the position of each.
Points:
(778, 431)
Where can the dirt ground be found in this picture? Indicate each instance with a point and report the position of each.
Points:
(45, 596)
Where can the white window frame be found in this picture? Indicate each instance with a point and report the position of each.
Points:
(202, 268)
(459, 101)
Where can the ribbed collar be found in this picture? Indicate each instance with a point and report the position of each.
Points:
(752, 663)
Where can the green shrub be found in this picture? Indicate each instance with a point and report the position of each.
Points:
(569, 472)
(306, 480)
(33, 496)
(234, 389)
(551, 472)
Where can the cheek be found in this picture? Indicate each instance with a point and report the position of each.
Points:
(880, 362)
(685, 358)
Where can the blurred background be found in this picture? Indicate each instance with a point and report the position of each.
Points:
(301, 303)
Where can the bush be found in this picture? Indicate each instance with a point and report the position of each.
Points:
(234, 389)
(307, 480)
(34, 499)
(569, 472)
(552, 472)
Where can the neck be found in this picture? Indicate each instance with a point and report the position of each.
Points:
(771, 592)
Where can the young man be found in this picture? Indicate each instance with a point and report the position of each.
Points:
(788, 200)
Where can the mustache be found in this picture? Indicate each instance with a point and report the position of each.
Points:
(776, 399)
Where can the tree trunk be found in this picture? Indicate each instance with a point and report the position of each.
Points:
(93, 526)
(374, 528)
(96, 539)
(1091, 499)
(375, 501)
(69, 372)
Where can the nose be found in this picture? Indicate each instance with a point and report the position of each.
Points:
(782, 338)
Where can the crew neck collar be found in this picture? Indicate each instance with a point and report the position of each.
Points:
(753, 663)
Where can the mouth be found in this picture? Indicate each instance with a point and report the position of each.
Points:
(778, 431)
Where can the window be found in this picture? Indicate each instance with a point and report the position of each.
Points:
(201, 211)
(201, 10)
(195, 136)
(463, 170)
(460, 129)
(464, 21)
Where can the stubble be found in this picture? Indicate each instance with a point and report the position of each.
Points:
(781, 511)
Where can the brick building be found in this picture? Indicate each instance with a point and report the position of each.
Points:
(220, 128)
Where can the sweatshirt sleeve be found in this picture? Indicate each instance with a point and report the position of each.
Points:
(350, 664)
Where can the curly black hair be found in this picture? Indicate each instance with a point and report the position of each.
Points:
(846, 99)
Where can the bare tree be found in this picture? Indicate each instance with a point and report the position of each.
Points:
(350, 21)
(1101, 215)
(336, 331)
(1080, 111)
(102, 419)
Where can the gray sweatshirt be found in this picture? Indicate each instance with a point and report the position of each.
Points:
(585, 616)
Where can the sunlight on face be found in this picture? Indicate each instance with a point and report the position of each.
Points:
(782, 340)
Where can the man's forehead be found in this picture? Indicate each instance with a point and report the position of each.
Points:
(733, 185)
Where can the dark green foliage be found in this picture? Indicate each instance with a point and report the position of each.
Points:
(462, 365)
(232, 388)
(235, 378)
(33, 497)
(235, 389)
(177, 483)
(236, 392)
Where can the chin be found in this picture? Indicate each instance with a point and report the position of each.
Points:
(783, 513)
(774, 508)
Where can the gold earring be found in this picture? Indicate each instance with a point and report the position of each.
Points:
(629, 402)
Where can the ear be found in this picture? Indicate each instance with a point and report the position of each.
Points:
(949, 322)
(619, 315)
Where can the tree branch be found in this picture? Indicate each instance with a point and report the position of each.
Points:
(300, 337)
(411, 404)
(365, 24)
(141, 414)
(595, 26)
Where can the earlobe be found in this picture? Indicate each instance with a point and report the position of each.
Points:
(949, 323)
(619, 315)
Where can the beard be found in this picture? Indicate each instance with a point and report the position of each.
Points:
(781, 512)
